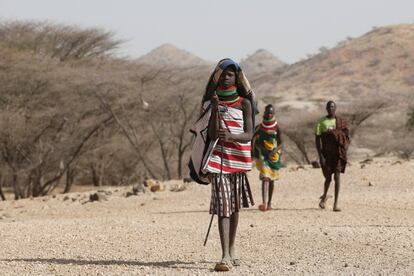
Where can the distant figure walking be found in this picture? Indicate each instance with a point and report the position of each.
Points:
(332, 141)
(222, 151)
(267, 150)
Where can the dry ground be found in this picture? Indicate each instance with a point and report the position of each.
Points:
(162, 233)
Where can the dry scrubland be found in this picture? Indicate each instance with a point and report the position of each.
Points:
(73, 113)
(68, 104)
(162, 233)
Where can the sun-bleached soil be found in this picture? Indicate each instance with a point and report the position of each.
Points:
(162, 233)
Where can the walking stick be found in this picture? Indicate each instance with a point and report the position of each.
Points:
(221, 173)
(208, 231)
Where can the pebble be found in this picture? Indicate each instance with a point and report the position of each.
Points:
(99, 196)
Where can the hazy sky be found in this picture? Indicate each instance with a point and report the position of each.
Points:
(214, 29)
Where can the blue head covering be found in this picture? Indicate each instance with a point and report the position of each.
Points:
(224, 63)
(243, 85)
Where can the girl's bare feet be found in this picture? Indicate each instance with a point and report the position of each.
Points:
(262, 207)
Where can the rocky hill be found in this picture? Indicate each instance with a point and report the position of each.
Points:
(168, 54)
(260, 62)
(381, 62)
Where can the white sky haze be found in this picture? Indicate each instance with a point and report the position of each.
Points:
(214, 29)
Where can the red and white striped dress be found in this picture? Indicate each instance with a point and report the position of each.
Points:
(231, 156)
(228, 163)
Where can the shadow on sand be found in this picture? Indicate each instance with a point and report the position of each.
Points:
(164, 264)
(282, 209)
(181, 212)
(243, 210)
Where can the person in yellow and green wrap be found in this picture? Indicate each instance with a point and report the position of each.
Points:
(267, 150)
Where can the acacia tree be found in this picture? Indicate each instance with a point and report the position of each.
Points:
(172, 132)
(51, 122)
(157, 128)
(65, 43)
(186, 111)
(299, 131)
(358, 113)
(40, 160)
(47, 111)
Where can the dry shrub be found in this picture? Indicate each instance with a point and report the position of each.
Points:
(297, 136)
(53, 129)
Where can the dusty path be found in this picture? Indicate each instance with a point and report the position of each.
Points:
(162, 233)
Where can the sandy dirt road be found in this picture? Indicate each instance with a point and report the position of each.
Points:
(162, 233)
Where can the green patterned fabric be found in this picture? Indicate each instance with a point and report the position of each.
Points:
(266, 156)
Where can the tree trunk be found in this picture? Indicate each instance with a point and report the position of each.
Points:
(163, 149)
(1, 189)
(95, 177)
(180, 169)
(16, 188)
(70, 176)
(29, 188)
(37, 188)
(181, 151)
(101, 173)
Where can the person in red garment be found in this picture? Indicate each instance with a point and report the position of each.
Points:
(332, 142)
(230, 129)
